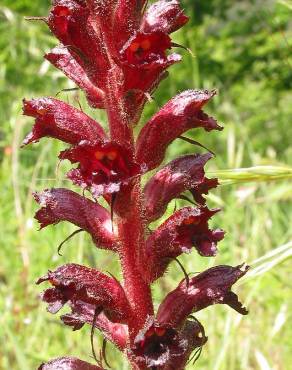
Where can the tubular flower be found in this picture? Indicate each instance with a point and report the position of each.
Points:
(117, 52)
(186, 228)
(182, 174)
(61, 121)
(65, 205)
(73, 282)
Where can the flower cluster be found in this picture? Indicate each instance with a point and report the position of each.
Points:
(117, 52)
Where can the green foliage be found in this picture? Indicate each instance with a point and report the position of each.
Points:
(242, 48)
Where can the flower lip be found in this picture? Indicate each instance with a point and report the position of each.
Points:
(146, 49)
(157, 343)
(102, 165)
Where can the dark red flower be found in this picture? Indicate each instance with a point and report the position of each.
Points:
(103, 166)
(164, 16)
(182, 174)
(65, 205)
(59, 120)
(74, 282)
(74, 26)
(180, 114)
(185, 229)
(68, 363)
(212, 286)
(70, 64)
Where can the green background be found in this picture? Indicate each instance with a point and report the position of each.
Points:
(243, 49)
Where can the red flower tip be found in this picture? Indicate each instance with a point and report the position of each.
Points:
(165, 16)
(103, 166)
(198, 190)
(61, 14)
(146, 50)
(61, 11)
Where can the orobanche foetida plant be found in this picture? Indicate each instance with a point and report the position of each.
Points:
(117, 52)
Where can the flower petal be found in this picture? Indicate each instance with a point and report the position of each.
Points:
(68, 363)
(203, 188)
(84, 313)
(67, 62)
(181, 174)
(165, 16)
(74, 283)
(212, 286)
(103, 166)
(180, 114)
(66, 205)
(59, 120)
(186, 228)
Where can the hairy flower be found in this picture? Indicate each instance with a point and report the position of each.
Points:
(74, 282)
(59, 120)
(65, 205)
(186, 228)
(209, 287)
(180, 114)
(182, 174)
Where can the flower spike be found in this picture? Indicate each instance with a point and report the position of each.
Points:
(117, 52)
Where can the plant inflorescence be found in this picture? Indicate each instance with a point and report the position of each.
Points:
(117, 52)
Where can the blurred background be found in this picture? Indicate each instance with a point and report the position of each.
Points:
(243, 49)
